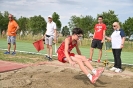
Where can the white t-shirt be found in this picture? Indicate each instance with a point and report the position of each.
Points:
(50, 28)
(116, 38)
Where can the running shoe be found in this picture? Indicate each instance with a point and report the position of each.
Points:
(7, 52)
(94, 78)
(13, 53)
(98, 61)
(118, 70)
(99, 71)
(90, 59)
(49, 58)
(113, 69)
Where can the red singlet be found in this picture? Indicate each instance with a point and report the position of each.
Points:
(60, 51)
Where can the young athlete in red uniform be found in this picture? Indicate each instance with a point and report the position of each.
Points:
(65, 55)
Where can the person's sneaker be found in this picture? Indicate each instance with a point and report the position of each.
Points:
(90, 59)
(94, 78)
(113, 69)
(7, 52)
(118, 70)
(49, 58)
(99, 71)
(13, 53)
(98, 61)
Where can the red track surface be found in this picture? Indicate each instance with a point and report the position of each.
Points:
(9, 66)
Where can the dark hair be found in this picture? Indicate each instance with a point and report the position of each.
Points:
(77, 31)
(100, 17)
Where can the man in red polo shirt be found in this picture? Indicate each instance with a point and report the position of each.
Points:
(98, 38)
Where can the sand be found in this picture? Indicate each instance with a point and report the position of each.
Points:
(59, 75)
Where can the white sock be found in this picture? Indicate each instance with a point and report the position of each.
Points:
(89, 76)
(94, 71)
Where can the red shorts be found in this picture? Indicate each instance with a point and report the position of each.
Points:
(61, 56)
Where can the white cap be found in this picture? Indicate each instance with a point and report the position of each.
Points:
(49, 16)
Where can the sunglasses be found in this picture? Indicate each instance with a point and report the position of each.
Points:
(9, 17)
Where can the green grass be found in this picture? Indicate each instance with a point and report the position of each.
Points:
(28, 46)
(21, 57)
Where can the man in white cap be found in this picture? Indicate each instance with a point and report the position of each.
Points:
(49, 36)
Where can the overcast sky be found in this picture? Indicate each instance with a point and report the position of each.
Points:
(67, 8)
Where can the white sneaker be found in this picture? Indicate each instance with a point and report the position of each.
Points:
(118, 70)
(113, 69)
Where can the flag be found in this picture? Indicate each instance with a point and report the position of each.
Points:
(39, 45)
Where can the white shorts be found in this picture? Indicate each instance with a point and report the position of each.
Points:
(49, 40)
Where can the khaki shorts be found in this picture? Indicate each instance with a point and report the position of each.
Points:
(49, 40)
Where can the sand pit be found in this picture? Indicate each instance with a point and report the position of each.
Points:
(59, 75)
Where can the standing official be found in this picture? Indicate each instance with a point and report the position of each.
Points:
(11, 34)
(117, 39)
(49, 36)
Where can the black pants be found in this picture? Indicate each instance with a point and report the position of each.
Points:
(117, 57)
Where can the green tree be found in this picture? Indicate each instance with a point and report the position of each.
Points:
(23, 24)
(65, 31)
(1, 22)
(109, 18)
(37, 24)
(74, 22)
(128, 26)
(84, 22)
(4, 21)
(56, 19)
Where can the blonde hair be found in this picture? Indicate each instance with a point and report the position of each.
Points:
(117, 24)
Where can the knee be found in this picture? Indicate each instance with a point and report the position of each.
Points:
(47, 46)
(100, 50)
(92, 49)
(9, 43)
(84, 58)
(50, 47)
(79, 61)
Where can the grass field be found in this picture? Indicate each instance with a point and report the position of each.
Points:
(28, 46)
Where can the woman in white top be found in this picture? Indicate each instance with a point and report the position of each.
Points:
(117, 39)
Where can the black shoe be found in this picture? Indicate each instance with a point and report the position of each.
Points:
(49, 58)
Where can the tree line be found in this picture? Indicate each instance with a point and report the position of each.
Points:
(87, 23)
(37, 24)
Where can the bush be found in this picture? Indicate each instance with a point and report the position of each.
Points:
(30, 37)
(61, 39)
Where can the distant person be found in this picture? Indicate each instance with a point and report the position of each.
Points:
(11, 34)
(98, 38)
(117, 39)
(3, 33)
(65, 55)
(49, 36)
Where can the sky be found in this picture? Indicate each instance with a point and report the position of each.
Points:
(67, 8)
